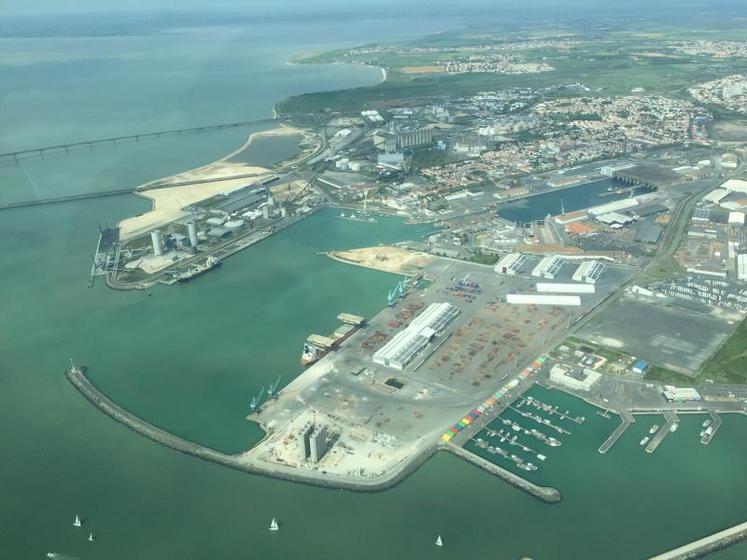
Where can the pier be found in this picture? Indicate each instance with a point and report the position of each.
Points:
(706, 545)
(670, 420)
(65, 148)
(544, 493)
(627, 420)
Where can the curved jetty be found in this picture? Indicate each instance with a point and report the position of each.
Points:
(244, 461)
(545, 493)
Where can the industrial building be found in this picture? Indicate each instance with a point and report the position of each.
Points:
(578, 379)
(559, 288)
(680, 394)
(742, 267)
(548, 267)
(589, 271)
(304, 448)
(406, 344)
(312, 442)
(246, 198)
(542, 299)
(511, 264)
(318, 443)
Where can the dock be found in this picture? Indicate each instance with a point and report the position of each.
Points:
(706, 545)
(670, 420)
(627, 420)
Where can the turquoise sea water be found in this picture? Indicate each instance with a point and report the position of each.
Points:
(188, 358)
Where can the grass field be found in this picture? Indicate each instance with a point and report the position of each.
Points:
(729, 364)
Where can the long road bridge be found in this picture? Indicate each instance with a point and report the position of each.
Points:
(40, 152)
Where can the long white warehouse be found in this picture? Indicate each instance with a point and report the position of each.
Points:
(406, 344)
(543, 299)
(559, 288)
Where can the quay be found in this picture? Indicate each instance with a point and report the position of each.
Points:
(545, 493)
(39, 152)
(670, 419)
(627, 420)
(706, 545)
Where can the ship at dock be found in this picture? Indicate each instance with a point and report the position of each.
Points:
(318, 346)
(194, 271)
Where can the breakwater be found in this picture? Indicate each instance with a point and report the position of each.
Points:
(76, 376)
(544, 493)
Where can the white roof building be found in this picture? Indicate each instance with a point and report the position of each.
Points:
(742, 266)
(407, 343)
(735, 185)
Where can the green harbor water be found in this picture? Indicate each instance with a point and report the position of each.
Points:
(189, 357)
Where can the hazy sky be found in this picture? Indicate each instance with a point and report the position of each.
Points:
(265, 7)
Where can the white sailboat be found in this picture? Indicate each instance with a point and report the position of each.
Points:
(90, 537)
(439, 542)
(274, 525)
(77, 522)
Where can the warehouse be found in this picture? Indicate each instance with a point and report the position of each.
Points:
(558, 288)
(511, 264)
(542, 299)
(589, 271)
(406, 344)
(548, 267)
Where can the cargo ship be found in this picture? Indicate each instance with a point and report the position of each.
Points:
(318, 346)
(192, 272)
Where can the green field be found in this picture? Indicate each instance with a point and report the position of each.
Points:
(611, 65)
(729, 364)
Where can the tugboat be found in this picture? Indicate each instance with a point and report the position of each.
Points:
(310, 354)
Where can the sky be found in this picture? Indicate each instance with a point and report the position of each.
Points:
(265, 7)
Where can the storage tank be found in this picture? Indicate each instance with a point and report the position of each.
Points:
(156, 238)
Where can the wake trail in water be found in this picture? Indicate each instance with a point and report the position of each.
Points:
(31, 181)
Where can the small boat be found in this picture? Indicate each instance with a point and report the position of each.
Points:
(274, 525)
(90, 537)
(77, 522)
(644, 441)
(541, 457)
(673, 427)
(706, 423)
(439, 542)
(653, 429)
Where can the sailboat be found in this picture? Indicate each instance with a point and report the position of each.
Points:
(439, 542)
(274, 525)
(90, 537)
(77, 522)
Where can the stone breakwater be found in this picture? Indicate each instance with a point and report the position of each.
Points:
(77, 377)
(544, 493)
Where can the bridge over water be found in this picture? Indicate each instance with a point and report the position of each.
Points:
(58, 148)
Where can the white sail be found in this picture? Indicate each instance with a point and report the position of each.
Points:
(77, 522)
(90, 537)
(439, 542)
(274, 525)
